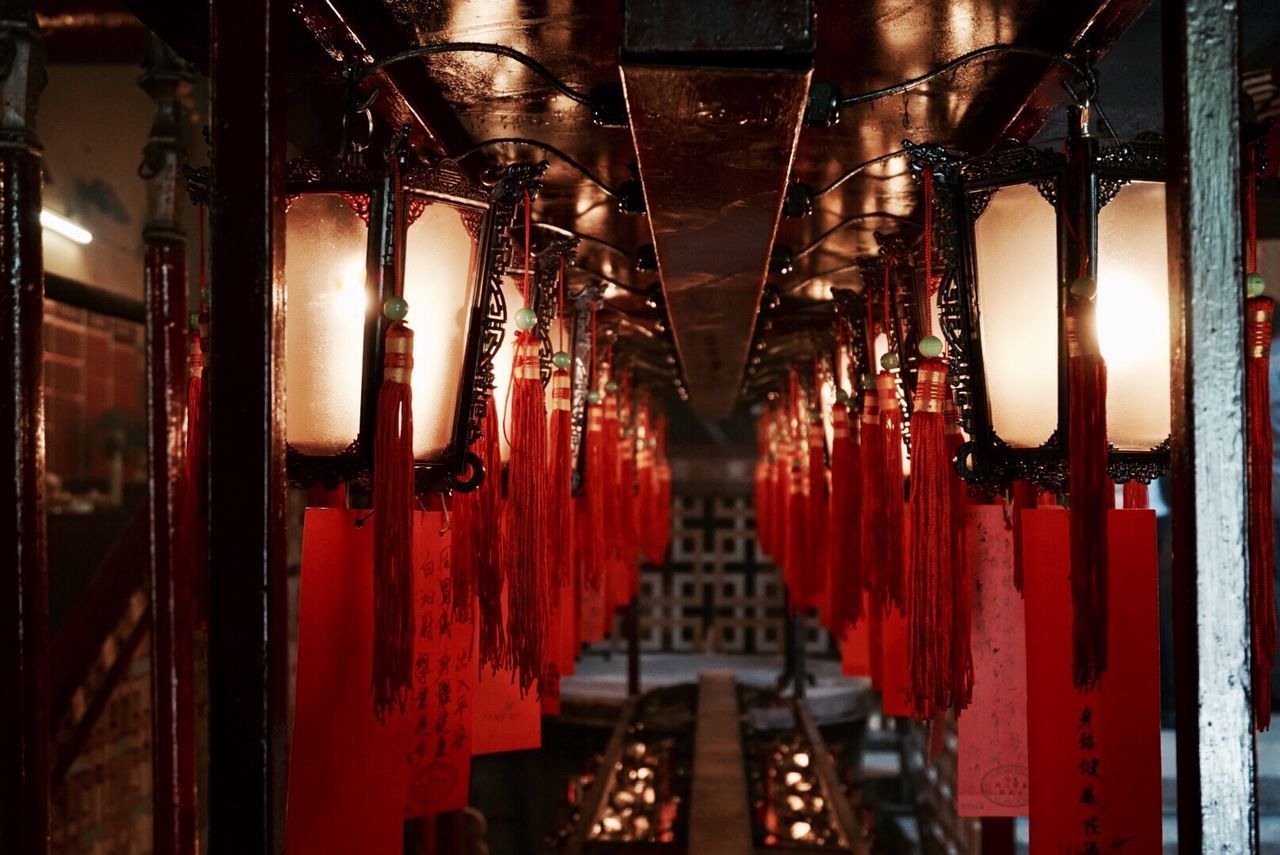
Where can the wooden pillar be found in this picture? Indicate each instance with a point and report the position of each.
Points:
(166, 79)
(248, 665)
(1216, 784)
(24, 613)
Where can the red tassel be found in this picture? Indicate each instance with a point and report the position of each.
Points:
(1262, 601)
(1136, 495)
(1025, 498)
(780, 490)
(1091, 492)
(478, 549)
(560, 482)
(662, 474)
(892, 573)
(614, 508)
(930, 618)
(628, 532)
(593, 556)
(874, 526)
(528, 601)
(814, 571)
(393, 496)
(762, 483)
(962, 643)
(844, 578)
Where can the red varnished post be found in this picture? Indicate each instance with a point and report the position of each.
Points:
(24, 618)
(248, 662)
(166, 79)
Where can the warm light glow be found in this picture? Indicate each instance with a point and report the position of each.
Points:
(326, 298)
(791, 779)
(800, 830)
(801, 759)
(439, 261)
(502, 363)
(1016, 249)
(1133, 315)
(61, 225)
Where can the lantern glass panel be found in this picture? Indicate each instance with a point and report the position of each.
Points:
(326, 291)
(1133, 315)
(1016, 259)
(503, 362)
(439, 285)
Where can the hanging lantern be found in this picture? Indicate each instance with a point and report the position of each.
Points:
(1027, 234)
(365, 244)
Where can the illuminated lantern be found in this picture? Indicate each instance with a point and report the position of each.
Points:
(1019, 227)
(357, 238)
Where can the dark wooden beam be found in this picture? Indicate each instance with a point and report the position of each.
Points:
(24, 610)
(720, 813)
(248, 666)
(348, 30)
(1094, 38)
(1217, 804)
(715, 147)
(167, 80)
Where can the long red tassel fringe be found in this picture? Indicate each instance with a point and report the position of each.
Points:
(1091, 492)
(393, 502)
(528, 601)
(814, 570)
(596, 485)
(560, 482)
(893, 572)
(1262, 601)
(844, 576)
(874, 530)
(482, 530)
(931, 582)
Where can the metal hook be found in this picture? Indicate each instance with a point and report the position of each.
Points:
(448, 524)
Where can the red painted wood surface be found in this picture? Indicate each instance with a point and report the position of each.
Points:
(1094, 756)
(348, 775)
(991, 756)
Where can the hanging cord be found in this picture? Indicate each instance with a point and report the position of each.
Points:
(857, 170)
(477, 47)
(1251, 214)
(573, 233)
(930, 286)
(543, 147)
(868, 215)
(1080, 71)
(524, 292)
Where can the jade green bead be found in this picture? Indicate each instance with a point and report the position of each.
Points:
(930, 346)
(889, 361)
(1084, 287)
(561, 359)
(395, 308)
(526, 319)
(842, 397)
(593, 397)
(611, 386)
(1254, 284)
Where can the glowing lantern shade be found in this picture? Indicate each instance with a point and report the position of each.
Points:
(1025, 223)
(354, 239)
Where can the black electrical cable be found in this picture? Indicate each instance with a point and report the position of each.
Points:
(861, 167)
(868, 215)
(543, 147)
(573, 233)
(479, 47)
(844, 268)
(1080, 71)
